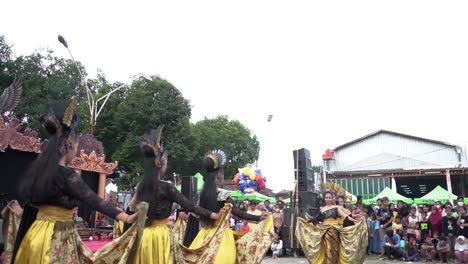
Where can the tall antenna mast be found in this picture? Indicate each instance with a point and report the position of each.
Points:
(93, 105)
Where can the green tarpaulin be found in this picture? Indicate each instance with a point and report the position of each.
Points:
(393, 197)
(238, 196)
(439, 194)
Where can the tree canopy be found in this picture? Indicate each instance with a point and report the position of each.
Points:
(132, 111)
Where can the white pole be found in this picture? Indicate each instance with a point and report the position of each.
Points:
(449, 185)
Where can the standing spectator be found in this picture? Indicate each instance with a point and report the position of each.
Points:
(435, 220)
(398, 226)
(374, 239)
(460, 203)
(359, 202)
(462, 222)
(427, 210)
(278, 219)
(420, 211)
(411, 222)
(379, 203)
(242, 207)
(253, 211)
(412, 251)
(392, 245)
(449, 228)
(266, 203)
(385, 216)
(424, 226)
(402, 209)
(276, 246)
(417, 234)
(461, 250)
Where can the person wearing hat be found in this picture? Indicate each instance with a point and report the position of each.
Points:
(461, 250)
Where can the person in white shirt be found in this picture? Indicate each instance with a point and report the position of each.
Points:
(461, 250)
(276, 246)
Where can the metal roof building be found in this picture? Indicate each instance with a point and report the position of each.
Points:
(365, 166)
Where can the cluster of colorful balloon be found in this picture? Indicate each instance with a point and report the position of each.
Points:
(249, 180)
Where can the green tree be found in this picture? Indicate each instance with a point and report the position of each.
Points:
(237, 141)
(134, 111)
(44, 77)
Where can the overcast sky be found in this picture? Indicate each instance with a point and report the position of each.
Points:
(328, 71)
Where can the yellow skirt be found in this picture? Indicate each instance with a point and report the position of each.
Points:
(227, 248)
(156, 243)
(52, 239)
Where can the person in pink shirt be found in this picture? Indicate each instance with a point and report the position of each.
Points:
(245, 226)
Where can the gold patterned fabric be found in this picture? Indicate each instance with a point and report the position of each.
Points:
(53, 238)
(218, 244)
(179, 229)
(331, 243)
(9, 230)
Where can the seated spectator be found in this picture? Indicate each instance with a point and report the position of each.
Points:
(278, 219)
(428, 251)
(392, 245)
(277, 246)
(412, 250)
(443, 250)
(402, 249)
(461, 250)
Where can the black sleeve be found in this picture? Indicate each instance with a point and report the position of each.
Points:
(76, 187)
(443, 223)
(177, 197)
(241, 214)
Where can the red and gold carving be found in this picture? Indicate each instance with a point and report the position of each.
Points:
(10, 136)
(93, 162)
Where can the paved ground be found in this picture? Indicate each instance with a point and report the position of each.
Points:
(299, 260)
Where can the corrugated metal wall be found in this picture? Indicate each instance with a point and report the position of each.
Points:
(388, 151)
(368, 188)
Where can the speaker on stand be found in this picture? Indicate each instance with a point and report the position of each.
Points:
(189, 188)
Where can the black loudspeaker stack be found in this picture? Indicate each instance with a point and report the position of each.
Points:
(189, 188)
(303, 170)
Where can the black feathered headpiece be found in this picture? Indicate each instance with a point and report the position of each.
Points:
(152, 147)
(61, 121)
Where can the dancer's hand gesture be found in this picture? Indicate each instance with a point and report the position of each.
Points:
(129, 219)
(15, 208)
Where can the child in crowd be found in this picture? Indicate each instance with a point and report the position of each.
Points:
(424, 226)
(245, 226)
(443, 249)
(461, 250)
(398, 226)
(417, 234)
(427, 249)
(374, 237)
(403, 243)
(412, 250)
(276, 246)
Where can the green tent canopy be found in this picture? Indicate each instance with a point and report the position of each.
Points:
(239, 196)
(200, 183)
(393, 197)
(439, 194)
